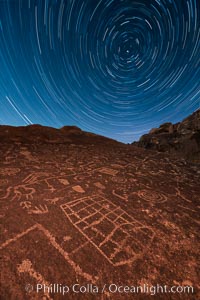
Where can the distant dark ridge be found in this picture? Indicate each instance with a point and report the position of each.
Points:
(42, 134)
(182, 139)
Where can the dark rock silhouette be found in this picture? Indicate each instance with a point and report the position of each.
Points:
(43, 134)
(182, 139)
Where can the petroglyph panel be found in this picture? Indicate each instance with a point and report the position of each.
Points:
(115, 234)
(38, 232)
(90, 238)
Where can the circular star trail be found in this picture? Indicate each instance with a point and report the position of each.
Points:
(113, 67)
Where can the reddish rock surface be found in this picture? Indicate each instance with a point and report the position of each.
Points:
(81, 209)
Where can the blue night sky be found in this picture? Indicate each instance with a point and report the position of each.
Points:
(112, 67)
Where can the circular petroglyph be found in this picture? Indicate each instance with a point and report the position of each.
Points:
(9, 171)
(150, 195)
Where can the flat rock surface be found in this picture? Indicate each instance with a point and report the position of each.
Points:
(95, 215)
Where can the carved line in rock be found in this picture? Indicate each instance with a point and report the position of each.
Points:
(77, 269)
(9, 171)
(26, 190)
(119, 237)
(150, 195)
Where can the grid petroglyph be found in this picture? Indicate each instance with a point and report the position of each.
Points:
(114, 233)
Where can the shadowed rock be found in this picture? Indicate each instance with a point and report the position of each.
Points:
(182, 139)
(43, 134)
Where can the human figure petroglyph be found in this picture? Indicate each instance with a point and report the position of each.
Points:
(26, 267)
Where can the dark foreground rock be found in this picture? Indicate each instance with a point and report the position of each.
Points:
(182, 139)
(94, 219)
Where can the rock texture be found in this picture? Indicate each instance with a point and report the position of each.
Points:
(86, 212)
(35, 134)
(182, 139)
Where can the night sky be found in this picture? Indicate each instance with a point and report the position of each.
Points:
(112, 67)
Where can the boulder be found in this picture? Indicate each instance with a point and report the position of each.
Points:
(182, 139)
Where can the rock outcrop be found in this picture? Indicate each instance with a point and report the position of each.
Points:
(43, 134)
(182, 139)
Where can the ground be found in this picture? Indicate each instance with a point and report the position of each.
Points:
(97, 216)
